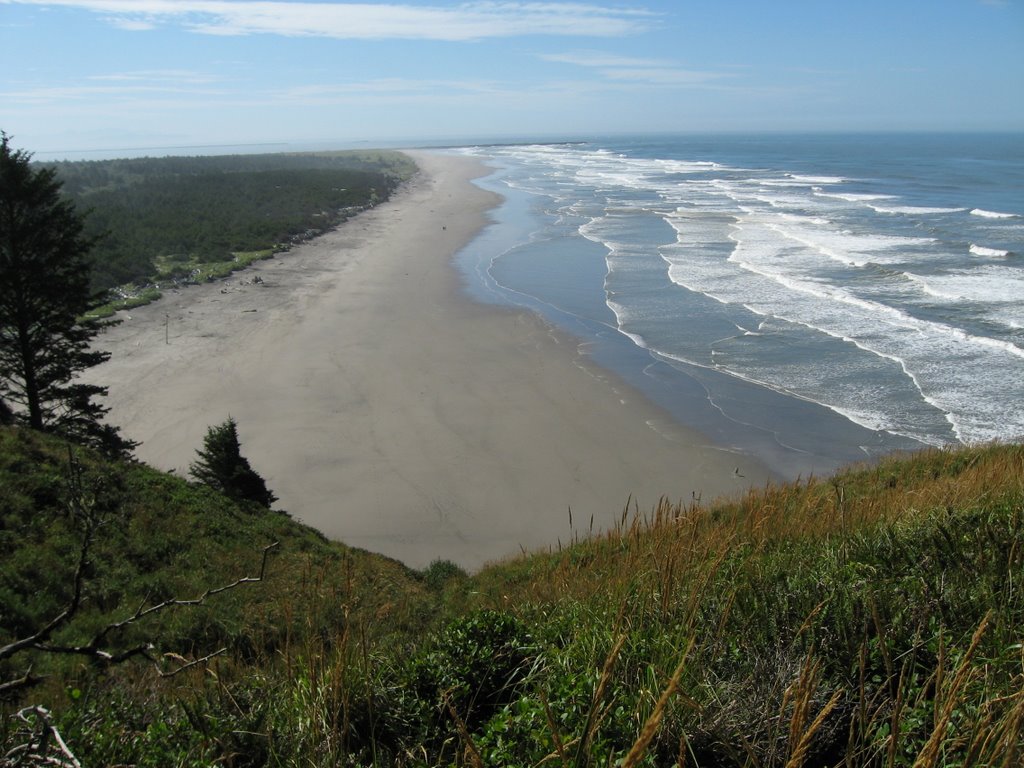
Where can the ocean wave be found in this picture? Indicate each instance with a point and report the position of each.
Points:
(687, 166)
(753, 191)
(804, 179)
(939, 359)
(845, 247)
(866, 416)
(992, 214)
(988, 253)
(832, 295)
(987, 284)
(802, 249)
(914, 210)
(790, 183)
(853, 197)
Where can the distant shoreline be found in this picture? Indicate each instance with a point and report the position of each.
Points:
(390, 410)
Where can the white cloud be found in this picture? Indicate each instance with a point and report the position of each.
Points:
(386, 86)
(58, 94)
(155, 76)
(119, 87)
(598, 59)
(663, 75)
(464, 21)
(132, 25)
(636, 70)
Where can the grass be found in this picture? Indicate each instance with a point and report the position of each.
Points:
(131, 297)
(204, 272)
(869, 619)
(193, 270)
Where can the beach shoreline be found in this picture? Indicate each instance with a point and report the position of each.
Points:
(388, 409)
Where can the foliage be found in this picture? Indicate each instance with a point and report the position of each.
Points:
(222, 466)
(870, 619)
(474, 666)
(164, 218)
(440, 573)
(44, 294)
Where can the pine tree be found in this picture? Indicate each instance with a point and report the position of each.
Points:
(222, 467)
(44, 294)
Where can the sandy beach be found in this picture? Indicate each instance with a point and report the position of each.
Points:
(389, 410)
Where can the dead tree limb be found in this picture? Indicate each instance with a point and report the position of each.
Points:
(82, 508)
(43, 745)
(94, 648)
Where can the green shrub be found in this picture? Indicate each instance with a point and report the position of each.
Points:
(440, 572)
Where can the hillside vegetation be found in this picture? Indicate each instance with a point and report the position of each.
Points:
(189, 218)
(872, 618)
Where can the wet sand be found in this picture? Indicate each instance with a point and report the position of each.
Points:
(389, 410)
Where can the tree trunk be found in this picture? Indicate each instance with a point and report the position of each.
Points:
(32, 395)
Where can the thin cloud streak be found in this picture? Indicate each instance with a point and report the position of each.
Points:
(599, 60)
(63, 94)
(158, 76)
(637, 70)
(466, 22)
(158, 95)
(663, 76)
(387, 86)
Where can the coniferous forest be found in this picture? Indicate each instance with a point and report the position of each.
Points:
(162, 218)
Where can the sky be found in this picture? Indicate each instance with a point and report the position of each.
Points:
(80, 76)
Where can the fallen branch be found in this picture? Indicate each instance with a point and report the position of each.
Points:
(44, 744)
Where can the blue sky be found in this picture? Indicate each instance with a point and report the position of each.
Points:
(110, 74)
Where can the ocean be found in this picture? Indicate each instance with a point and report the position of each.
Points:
(811, 300)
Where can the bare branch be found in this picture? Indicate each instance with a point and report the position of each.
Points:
(27, 680)
(189, 664)
(45, 745)
(92, 649)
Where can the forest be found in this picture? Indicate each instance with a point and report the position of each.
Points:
(161, 219)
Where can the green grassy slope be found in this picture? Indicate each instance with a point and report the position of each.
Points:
(160, 537)
(875, 618)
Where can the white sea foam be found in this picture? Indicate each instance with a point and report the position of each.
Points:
(869, 418)
(686, 167)
(914, 210)
(804, 179)
(784, 202)
(851, 197)
(778, 183)
(854, 249)
(1009, 315)
(992, 214)
(940, 360)
(797, 247)
(751, 192)
(988, 253)
(985, 285)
